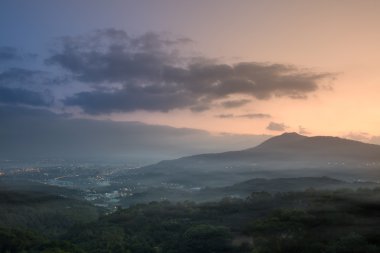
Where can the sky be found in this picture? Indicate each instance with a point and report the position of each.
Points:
(257, 68)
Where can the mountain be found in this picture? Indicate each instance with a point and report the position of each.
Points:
(319, 146)
(287, 155)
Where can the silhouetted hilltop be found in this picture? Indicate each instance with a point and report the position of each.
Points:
(336, 148)
(280, 141)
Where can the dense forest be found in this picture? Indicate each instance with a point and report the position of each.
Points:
(309, 221)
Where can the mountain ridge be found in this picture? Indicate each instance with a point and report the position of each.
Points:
(286, 155)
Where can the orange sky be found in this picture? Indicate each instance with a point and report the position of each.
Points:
(335, 36)
(341, 37)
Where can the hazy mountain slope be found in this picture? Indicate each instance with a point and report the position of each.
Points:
(287, 155)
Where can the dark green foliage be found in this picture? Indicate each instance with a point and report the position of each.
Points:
(352, 243)
(343, 221)
(46, 213)
(15, 240)
(206, 239)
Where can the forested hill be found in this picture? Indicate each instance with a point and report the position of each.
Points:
(338, 221)
(44, 212)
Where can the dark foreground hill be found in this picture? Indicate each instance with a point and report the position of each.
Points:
(287, 155)
(343, 221)
(46, 209)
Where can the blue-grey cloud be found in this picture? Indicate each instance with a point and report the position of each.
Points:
(127, 99)
(248, 116)
(225, 115)
(129, 73)
(112, 56)
(8, 54)
(21, 77)
(235, 103)
(20, 96)
(255, 116)
(280, 127)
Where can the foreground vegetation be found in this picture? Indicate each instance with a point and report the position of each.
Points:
(309, 221)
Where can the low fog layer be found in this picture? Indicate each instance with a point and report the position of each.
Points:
(40, 133)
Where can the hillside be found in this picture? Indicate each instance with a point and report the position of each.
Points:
(312, 221)
(34, 206)
(287, 155)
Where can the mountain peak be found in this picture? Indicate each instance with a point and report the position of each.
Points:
(282, 140)
(291, 135)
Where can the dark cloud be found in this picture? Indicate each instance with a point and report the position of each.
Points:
(19, 86)
(11, 112)
(225, 116)
(8, 54)
(130, 73)
(248, 116)
(235, 103)
(200, 107)
(273, 126)
(255, 116)
(11, 54)
(16, 83)
(17, 74)
(19, 96)
(112, 56)
(20, 77)
(127, 100)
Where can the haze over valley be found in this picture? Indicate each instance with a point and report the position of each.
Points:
(287, 162)
(189, 126)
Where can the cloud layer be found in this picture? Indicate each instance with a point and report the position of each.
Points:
(248, 116)
(20, 96)
(27, 132)
(8, 54)
(147, 72)
(278, 127)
